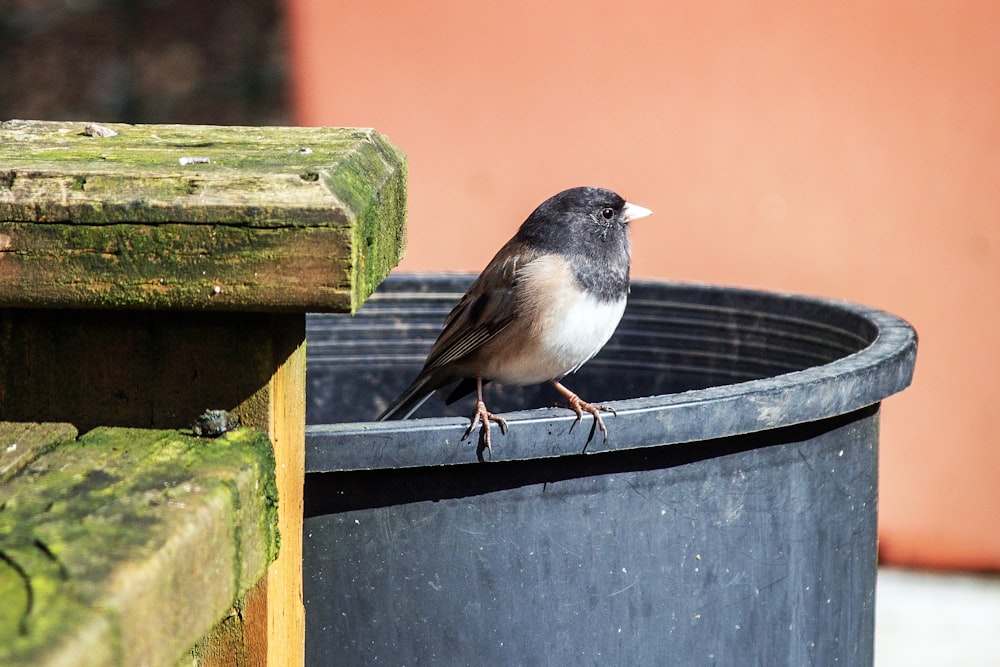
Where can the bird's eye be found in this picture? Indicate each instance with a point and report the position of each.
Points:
(608, 213)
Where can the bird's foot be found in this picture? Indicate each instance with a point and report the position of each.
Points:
(484, 417)
(579, 406)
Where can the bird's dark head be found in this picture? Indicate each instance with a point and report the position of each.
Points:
(588, 226)
(580, 215)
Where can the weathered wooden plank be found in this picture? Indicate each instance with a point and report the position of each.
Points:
(21, 443)
(104, 236)
(143, 369)
(160, 369)
(123, 547)
(197, 217)
(175, 267)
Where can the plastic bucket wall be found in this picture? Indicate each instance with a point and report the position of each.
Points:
(731, 516)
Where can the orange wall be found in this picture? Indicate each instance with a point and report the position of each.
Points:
(848, 149)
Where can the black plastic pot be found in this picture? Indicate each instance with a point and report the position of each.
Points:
(729, 519)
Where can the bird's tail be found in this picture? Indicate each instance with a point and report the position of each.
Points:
(411, 399)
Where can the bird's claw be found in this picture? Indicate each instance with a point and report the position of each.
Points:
(579, 406)
(484, 417)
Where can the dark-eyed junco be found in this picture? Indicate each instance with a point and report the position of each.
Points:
(543, 306)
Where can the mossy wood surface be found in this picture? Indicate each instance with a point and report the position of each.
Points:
(197, 217)
(160, 370)
(123, 547)
(20, 444)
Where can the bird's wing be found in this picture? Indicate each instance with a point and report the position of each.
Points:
(484, 311)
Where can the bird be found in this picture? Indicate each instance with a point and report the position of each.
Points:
(545, 304)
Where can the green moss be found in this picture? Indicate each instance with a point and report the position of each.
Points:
(175, 266)
(21, 443)
(158, 148)
(100, 508)
(278, 219)
(373, 182)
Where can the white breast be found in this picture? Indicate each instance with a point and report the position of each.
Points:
(580, 331)
(563, 335)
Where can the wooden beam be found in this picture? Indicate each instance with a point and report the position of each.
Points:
(263, 219)
(153, 272)
(124, 546)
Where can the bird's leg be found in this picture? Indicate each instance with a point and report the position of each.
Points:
(484, 416)
(579, 406)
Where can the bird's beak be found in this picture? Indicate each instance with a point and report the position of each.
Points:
(634, 212)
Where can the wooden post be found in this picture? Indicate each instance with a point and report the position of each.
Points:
(148, 273)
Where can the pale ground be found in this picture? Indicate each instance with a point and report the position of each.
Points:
(936, 620)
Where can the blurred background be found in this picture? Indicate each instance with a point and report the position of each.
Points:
(846, 149)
